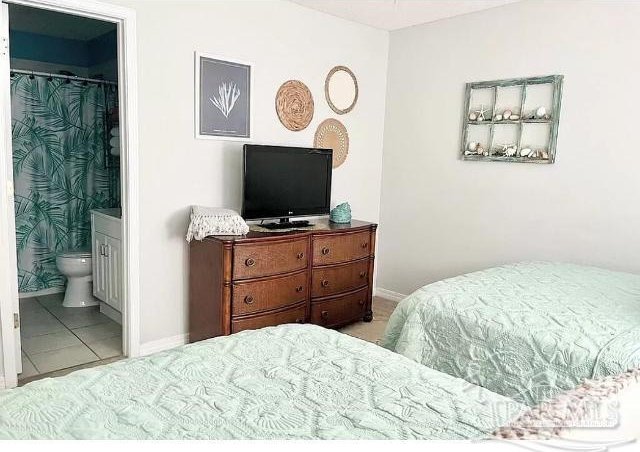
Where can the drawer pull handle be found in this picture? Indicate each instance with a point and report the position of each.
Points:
(300, 255)
(324, 283)
(325, 251)
(363, 274)
(248, 299)
(324, 315)
(250, 262)
(299, 289)
(365, 244)
(361, 302)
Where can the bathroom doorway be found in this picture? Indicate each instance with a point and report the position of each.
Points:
(72, 251)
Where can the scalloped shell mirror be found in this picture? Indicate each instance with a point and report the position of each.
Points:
(341, 89)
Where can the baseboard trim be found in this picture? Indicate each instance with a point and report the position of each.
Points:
(163, 344)
(114, 315)
(41, 293)
(389, 294)
(181, 339)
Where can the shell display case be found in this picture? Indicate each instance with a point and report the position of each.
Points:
(512, 120)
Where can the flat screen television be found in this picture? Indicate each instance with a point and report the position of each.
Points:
(283, 182)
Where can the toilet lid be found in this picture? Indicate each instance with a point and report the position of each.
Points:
(76, 254)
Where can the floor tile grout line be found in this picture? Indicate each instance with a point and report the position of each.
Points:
(106, 320)
(58, 349)
(71, 331)
(44, 374)
(84, 343)
(65, 327)
(68, 370)
(21, 339)
(101, 340)
(62, 321)
(32, 363)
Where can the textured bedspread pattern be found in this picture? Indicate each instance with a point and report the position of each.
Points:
(526, 330)
(291, 381)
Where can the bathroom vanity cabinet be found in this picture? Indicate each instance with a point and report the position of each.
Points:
(106, 247)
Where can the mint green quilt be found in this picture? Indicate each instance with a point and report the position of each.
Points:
(525, 331)
(286, 382)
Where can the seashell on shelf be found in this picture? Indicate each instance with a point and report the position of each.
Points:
(480, 150)
(507, 114)
(540, 112)
(544, 154)
(510, 151)
(514, 117)
(525, 152)
(473, 146)
(498, 118)
(547, 116)
(472, 116)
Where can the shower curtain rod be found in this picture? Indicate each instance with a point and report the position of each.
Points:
(67, 77)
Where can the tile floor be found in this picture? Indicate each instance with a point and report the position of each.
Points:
(373, 331)
(56, 339)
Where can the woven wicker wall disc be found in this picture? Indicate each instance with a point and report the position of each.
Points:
(332, 134)
(294, 105)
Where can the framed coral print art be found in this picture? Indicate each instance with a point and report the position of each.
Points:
(223, 98)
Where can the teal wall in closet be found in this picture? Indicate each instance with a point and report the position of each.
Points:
(49, 49)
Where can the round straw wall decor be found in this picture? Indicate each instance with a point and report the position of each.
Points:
(332, 134)
(294, 105)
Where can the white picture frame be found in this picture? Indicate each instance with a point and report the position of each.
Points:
(217, 116)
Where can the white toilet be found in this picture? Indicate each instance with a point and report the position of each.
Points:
(76, 266)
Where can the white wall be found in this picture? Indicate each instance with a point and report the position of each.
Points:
(442, 216)
(284, 41)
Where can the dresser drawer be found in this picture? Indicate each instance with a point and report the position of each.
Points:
(327, 281)
(340, 310)
(255, 260)
(293, 315)
(334, 249)
(273, 293)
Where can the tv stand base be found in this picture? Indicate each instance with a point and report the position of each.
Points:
(287, 224)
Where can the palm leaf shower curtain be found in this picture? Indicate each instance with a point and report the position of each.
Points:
(62, 169)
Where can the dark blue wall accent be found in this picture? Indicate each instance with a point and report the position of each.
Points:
(32, 46)
(103, 48)
(48, 49)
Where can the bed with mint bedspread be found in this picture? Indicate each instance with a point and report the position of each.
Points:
(290, 381)
(525, 330)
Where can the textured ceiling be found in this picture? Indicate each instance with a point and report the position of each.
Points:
(396, 14)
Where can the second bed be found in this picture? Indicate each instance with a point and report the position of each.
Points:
(526, 331)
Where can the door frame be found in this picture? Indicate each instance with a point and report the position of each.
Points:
(125, 18)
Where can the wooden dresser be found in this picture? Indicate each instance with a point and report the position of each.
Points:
(322, 276)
